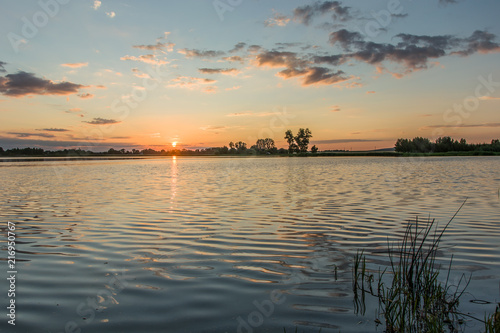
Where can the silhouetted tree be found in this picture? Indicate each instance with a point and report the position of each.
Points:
(314, 149)
(302, 139)
(240, 146)
(292, 147)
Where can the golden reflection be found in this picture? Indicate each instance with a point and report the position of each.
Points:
(173, 181)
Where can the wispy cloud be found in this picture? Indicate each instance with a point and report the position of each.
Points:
(29, 135)
(463, 126)
(156, 47)
(277, 20)
(335, 108)
(147, 58)
(96, 4)
(102, 121)
(226, 71)
(318, 142)
(53, 129)
(489, 98)
(2, 69)
(85, 96)
(75, 65)
(253, 114)
(111, 14)
(193, 83)
(193, 53)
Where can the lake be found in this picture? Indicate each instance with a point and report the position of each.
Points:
(197, 244)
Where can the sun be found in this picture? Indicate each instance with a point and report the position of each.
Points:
(174, 144)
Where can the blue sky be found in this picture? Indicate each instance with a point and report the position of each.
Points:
(359, 74)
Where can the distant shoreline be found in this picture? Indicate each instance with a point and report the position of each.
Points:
(35, 158)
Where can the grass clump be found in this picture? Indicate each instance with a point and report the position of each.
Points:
(410, 296)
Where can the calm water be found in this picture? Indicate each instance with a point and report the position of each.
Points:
(230, 244)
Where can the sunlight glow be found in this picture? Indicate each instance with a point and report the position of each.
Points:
(174, 143)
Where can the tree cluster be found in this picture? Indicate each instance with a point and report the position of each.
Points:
(443, 145)
(300, 142)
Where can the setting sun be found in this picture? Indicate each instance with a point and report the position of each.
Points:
(174, 144)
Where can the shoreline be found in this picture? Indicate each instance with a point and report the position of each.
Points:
(39, 158)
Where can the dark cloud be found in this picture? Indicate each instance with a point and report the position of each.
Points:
(346, 39)
(2, 69)
(254, 48)
(322, 75)
(480, 41)
(23, 84)
(217, 70)
(53, 129)
(280, 59)
(192, 53)
(412, 51)
(307, 13)
(297, 66)
(333, 60)
(28, 135)
(102, 121)
(238, 47)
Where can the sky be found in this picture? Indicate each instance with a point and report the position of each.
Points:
(195, 74)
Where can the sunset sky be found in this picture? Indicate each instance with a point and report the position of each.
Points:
(137, 74)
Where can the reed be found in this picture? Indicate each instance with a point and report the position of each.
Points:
(411, 298)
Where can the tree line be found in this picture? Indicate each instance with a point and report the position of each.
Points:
(296, 144)
(443, 145)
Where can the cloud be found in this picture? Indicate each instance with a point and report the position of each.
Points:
(53, 129)
(277, 20)
(85, 96)
(335, 108)
(29, 135)
(233, 88)
(234, 59)
(23, 84)
(147, 58)
(307, 13)
(2, 69)
(192, 53)
(192, 83)
(238, 47)
(102, 121)
(414, 52)
(480, 41)
(214, 128)
(210, 90)
(295, 66)
(97, 4)
(279, 59)
(319, 142)
(227, 71)
(156, 47)
(489, 98)
(371, 92)
(253, 114)
(75, 65)
(111, 14)
(463, 126)
(447, 2)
